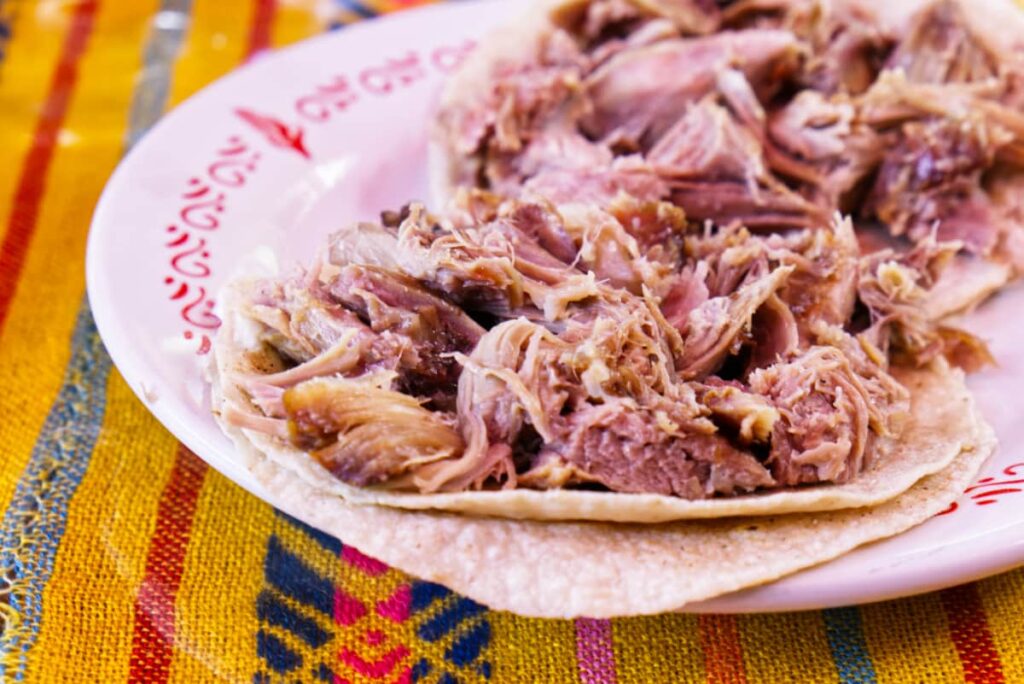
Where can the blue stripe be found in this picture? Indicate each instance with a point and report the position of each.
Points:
(166, 34)
(420, 670)
(466, 647)
(277, 613)
(849, 651)
(357, 7)
(37, 517)
(5, 32)
(425, 593)
(322, 538)
(448, 618)
(276, 653)
(288, 574)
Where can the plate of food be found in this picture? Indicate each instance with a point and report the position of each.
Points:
(601, 307)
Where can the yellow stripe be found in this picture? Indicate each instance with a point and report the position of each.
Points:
(296, 20)
(214, 46)
(31, 362)
(923, 645)
(218, 603)
(215, 617)
(1002, 598)
(27, 72)
(524, 650)
(664, 648)
(90, 597)
(769, 642)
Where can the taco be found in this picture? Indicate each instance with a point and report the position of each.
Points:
(774, 114)
(520, 360)
(591, 569)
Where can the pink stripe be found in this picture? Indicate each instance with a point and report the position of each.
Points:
(595, 655)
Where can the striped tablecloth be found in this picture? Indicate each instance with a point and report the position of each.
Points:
(123, 557)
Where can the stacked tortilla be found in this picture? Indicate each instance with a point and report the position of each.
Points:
(640, 358)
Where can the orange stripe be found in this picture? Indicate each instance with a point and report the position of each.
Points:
(260, 29)
(153, 632)
(723, 656)
(968, 628)
(32, 182)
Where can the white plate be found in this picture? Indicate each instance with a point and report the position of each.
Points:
(271, 158)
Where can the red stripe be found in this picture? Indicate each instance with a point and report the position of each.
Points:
(723, 655)
(32, 182)
(153, 633)
(968, 628)
(259, 31)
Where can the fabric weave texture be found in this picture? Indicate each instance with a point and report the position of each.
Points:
(123, 557)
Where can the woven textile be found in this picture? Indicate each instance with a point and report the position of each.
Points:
(124, 558)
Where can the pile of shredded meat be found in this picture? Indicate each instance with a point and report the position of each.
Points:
(612, 345)
(770, 113)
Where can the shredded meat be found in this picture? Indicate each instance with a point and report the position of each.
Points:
(648, 283)
(539, 344)
(829, 414)
(773, 114)
(363, 433)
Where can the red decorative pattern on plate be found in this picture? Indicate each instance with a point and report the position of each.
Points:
(276, 132)
(988, 490)
(204, 201)
(205, 198)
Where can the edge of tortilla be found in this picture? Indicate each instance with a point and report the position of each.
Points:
(900, 464)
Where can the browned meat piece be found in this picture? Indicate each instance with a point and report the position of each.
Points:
(657, 227)
(393, 301)
(425, 327)
(543, 225)
(365, 434)
(823, 286)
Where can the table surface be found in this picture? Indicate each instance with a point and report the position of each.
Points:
(123, 557)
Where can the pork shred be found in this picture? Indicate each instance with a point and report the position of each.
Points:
(773, 114)
(534, 344)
